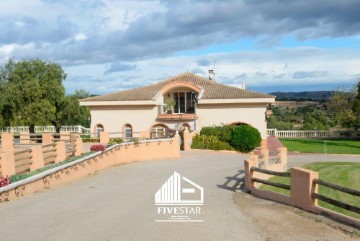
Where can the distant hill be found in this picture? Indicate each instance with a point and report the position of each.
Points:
(302, 96)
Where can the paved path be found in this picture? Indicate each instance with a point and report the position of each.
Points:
(118, 204)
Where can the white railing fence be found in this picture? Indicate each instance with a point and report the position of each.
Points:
(314, 133)
(41, 129)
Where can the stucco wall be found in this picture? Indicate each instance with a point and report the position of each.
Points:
(144, 117)
(114, 118)
(252, 114)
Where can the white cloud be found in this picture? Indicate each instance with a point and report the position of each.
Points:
(80, 37)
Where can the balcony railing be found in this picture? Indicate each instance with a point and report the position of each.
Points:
(163, 115)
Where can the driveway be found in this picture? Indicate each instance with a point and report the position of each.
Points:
(118, 204)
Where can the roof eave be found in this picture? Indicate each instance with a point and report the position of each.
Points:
(230, 101)
(117, 103)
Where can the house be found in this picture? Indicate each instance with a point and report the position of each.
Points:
(198, 102)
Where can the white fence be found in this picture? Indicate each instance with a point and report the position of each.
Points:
(313, 133)
(41, 129)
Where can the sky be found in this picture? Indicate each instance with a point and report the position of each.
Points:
(110, 45)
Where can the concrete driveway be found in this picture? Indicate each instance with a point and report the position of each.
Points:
(118, 204)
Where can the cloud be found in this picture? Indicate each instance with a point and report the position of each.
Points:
(119, 67)
(204, 62)
(132, 30)
(309, 74)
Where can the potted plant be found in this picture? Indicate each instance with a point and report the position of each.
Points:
(169, 104)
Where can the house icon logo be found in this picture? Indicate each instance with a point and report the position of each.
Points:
(179, 200)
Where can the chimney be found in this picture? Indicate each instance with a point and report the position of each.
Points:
(211, 74)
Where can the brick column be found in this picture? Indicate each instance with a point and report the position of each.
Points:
(302, 187)
(47, 138)
(249, 184)
(78, 145)
(24, 137)
(60, 151)
(7, 163)
(7, 142)
(37, 158)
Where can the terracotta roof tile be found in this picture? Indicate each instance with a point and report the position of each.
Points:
(212, 90)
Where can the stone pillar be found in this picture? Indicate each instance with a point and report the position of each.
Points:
(302, 187)
(104, 137)
(263, 144)
(24, 138)
(7, 163)
(186, 140)
(37, 158)
(47, 138)
(7, 142)
(60, 151)
(265, 158)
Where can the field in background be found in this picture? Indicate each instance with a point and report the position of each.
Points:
(319, 146)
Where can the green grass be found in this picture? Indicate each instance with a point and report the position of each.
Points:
(18, 177)
(318, 146)
(341, 173)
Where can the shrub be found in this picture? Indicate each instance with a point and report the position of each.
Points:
(245, 138)
(223, 133)
(210, 143)
(115, 141)
(98, 147)
(4, 181)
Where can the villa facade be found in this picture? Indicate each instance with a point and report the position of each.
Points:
(198, 102)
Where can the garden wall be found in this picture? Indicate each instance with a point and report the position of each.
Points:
(114, 155)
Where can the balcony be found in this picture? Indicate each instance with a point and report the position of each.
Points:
(163, 115)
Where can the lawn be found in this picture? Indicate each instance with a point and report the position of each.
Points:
(319, 146)
(341, 173)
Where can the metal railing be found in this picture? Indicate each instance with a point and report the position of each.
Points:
(313, 133)
(41, 129)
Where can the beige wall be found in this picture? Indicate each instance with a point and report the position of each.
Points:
(252, 114)
(113, 118)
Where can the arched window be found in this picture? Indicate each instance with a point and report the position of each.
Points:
(98, 128)
(128, 131)
(158, 131)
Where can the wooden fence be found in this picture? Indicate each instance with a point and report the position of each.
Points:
(303, 190)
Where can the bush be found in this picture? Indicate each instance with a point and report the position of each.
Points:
(223, 133)
(115, 141)
(245, 138)
(210, 143)
(4, 181)
(98, 147)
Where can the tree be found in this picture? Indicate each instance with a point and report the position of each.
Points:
(32, 93)
(345, 106)
(245, 138)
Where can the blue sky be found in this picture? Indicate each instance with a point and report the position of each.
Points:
(109, 45)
